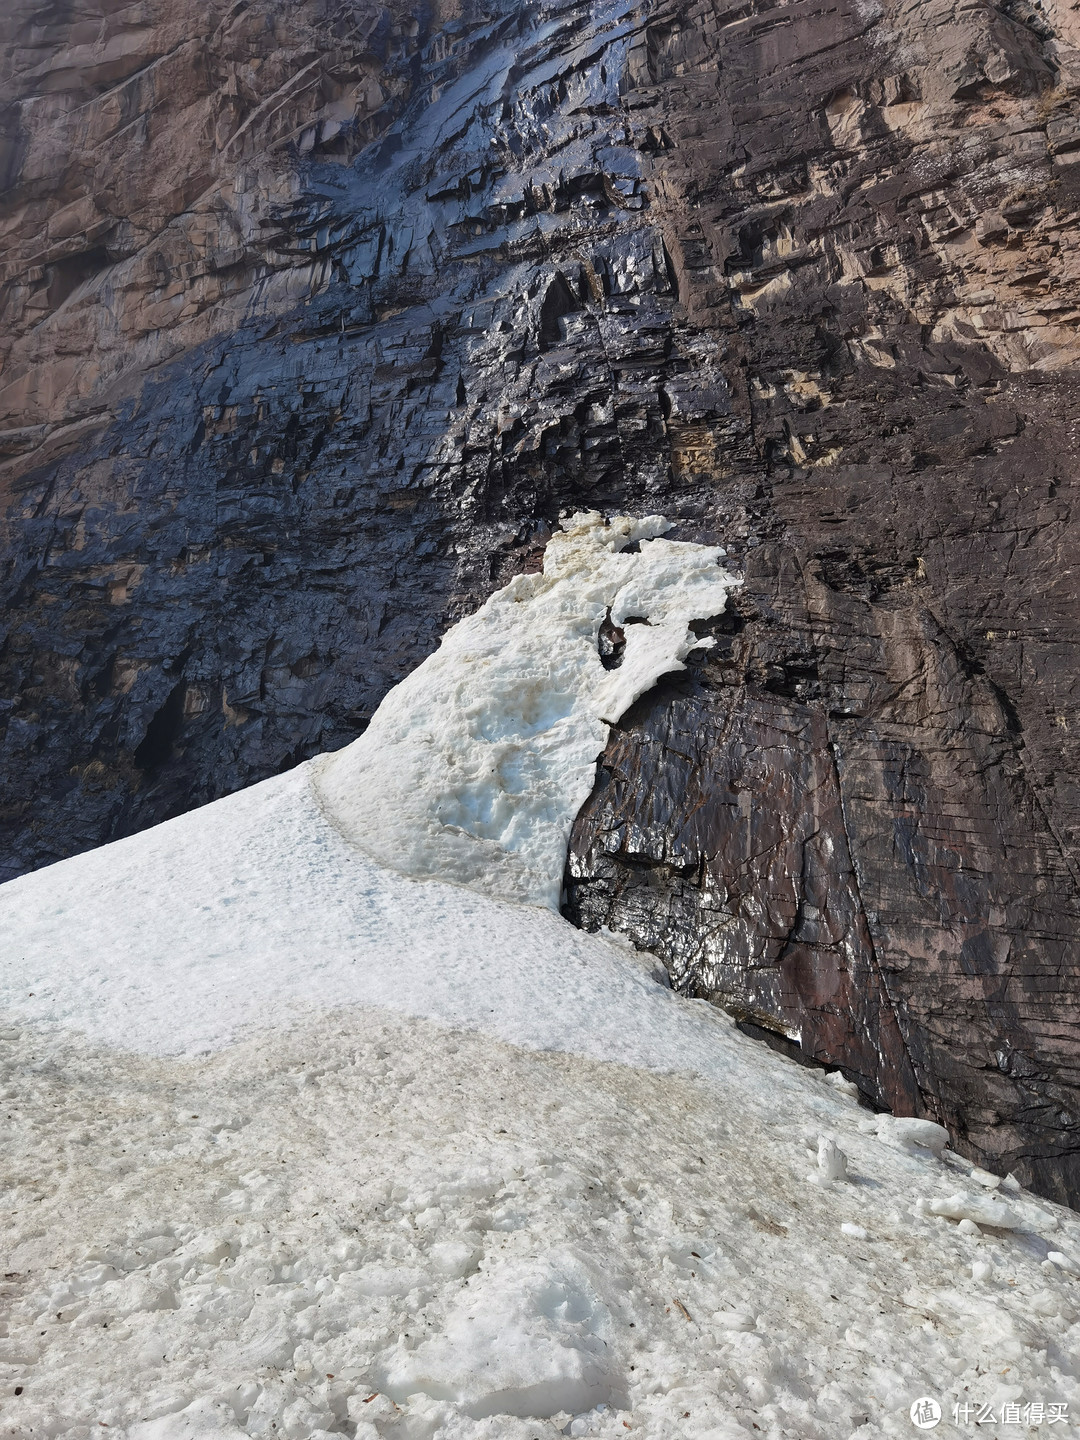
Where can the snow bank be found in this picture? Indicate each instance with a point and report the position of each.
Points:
(255, 909)
(471, 770)
(475, 766)
(546, 1197)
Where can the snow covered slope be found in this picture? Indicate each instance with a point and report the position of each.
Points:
(300, 1144)
(473, 768)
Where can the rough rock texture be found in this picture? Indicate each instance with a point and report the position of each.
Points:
(314, 322)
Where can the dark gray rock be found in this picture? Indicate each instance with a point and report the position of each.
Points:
(799, 276)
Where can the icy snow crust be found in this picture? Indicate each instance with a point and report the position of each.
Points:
(300, 1146)
(371, 1220)
(474, 767)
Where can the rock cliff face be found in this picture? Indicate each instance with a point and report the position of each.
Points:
(316, 316)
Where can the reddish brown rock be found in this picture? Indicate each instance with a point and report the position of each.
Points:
(316, 316)
(141, 145)
(828, 829)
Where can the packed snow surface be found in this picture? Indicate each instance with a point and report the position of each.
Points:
(366, 1219)
(300, 1145)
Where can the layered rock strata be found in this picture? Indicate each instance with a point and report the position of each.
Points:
(316, 317)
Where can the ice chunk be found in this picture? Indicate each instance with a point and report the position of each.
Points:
(984, 1177)
(529, 1339)
(911, 1134)
(474, 767)
(836, 1079)
(376, 1280)
(453, 1258)
(832, 1162)
(202, 1420)
(982, 1209)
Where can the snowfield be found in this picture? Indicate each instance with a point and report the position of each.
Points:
(298, 1144)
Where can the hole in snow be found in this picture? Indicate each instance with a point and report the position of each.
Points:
(611, 642)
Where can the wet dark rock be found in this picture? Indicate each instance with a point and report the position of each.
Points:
(838, 842)
(311, 329)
